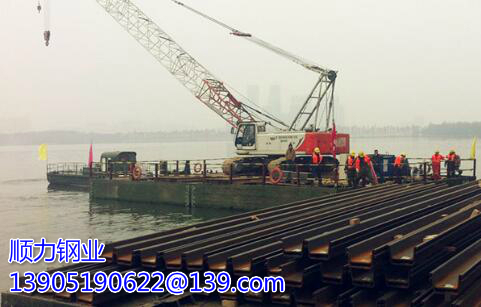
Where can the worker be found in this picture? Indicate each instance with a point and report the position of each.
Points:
(187, 167)
(451, 163)
(457, 164)
(399, 164)
(436, 162)
(290, 161)
(363, 168)
(316, 162)
(350, 170)
(377, 164)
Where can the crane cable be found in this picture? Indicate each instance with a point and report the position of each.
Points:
(46, 20)
(294, 58)
(259, 109)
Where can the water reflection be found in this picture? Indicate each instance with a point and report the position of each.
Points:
(114, 220)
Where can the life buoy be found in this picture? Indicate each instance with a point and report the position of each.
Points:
(136, 173)
(276, 175)
(197, 168)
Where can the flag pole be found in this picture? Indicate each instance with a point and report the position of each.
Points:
(46, 162)
(91, 160)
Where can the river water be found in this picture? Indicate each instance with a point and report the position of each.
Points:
(29, 210)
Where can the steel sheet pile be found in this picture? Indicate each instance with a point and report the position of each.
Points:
(386, 245)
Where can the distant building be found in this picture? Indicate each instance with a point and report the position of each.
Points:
(253, 93)
(294, 106)
(339, 112)
(274, 100)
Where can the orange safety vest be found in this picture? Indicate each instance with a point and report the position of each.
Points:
(437, 158)
(367, 160)
(350, 162)
(399, 160)
(316, 158)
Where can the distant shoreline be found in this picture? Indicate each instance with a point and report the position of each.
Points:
(462, 130)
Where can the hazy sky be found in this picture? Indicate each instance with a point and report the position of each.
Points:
(399, 62)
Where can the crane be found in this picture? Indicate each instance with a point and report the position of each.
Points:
(323, 89)
(260, 137)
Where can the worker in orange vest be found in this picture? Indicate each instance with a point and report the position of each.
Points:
(363, 168)
(350, 169)
(436, 162)
(451, 163)
(398, 167)
(316, 161)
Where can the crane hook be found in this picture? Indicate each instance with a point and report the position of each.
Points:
(39, 7)
(46, 37)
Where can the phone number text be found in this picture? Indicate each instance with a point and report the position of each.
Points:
(142, 282)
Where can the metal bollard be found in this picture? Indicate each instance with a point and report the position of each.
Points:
(205, 169)
(177, 167)
(110, 171)
(230, 174)
(156, 170)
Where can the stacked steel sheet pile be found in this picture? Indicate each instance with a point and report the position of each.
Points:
(416, 244)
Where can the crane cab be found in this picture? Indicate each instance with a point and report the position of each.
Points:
(245, 139)
(117, 161)
(252, 138)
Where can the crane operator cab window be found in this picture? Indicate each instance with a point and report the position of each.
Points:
(246, 136)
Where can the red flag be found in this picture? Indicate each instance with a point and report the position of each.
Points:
(91, 156)
(333, 139)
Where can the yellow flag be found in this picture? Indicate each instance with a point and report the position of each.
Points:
(473, 149)
(42, 152)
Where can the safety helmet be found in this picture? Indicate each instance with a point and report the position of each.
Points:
(361, 154)
(403, 154)
(451, 151)
(353, 153)
(317, 150)
(437, 151)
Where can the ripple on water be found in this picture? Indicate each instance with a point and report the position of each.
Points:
(32, 212)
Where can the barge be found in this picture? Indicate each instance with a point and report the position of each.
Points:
(78, 176)
(119, 176)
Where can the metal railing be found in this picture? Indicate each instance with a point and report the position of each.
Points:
(291, 173)
(66, 168)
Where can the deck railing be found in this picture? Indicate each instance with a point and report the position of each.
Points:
(218, 169)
